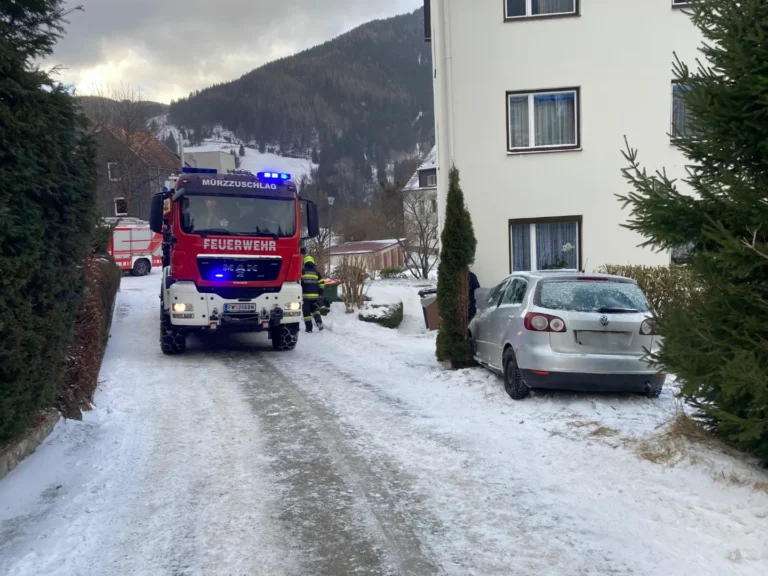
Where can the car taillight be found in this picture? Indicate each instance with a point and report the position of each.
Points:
(543, 323)
(648, 327)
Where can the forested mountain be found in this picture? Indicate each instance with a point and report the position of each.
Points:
(356, 104)
(96, 106)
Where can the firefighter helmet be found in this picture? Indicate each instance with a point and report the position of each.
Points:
(308, 259)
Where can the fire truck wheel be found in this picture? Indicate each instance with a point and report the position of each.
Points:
(173, 340)
(285, 337)
(141, 267)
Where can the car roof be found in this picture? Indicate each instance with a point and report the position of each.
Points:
(537, 275)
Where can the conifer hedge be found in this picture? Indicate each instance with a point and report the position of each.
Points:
(47, 213)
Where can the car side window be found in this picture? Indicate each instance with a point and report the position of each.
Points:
(515, 292)
(494, 296)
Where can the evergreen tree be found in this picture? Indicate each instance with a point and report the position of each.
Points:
(242, 150)
(47, 212)
(717, 344)
(456, 256)
(170, 141)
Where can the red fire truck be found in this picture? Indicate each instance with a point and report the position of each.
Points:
(231, 255)
(135, 248)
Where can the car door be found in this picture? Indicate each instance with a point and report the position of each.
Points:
(506, 317)
(483, 321)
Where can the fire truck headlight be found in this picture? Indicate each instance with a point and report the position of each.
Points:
(293, 306)
(181, 307)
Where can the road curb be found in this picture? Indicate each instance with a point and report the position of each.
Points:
(12, 455)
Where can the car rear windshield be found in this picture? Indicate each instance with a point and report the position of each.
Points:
(591, 296)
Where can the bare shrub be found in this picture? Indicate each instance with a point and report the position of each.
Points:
(353, 272)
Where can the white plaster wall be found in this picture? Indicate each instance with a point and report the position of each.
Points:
(620, 54)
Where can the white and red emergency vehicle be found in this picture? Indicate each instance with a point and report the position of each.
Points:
(135, 248)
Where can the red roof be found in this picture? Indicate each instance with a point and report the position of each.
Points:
(148, 148)
(369, 247)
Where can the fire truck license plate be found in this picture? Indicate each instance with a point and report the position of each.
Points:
(239, 307)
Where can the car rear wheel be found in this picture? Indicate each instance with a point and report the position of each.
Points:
(513, 380)
(141, 267)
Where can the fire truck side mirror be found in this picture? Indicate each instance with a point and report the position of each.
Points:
(313, 221)
(156, 214)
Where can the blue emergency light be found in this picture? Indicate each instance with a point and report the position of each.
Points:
(280, 176)
(188, 170)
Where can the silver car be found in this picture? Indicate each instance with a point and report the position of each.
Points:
(567, 330)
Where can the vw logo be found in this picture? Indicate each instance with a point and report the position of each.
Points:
(604, 320)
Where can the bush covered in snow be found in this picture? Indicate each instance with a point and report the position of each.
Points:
(387, 315)
(392, 272)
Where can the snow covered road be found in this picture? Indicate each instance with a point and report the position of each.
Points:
(357, 454)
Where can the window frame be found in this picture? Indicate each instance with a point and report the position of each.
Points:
(528, 8)
(109, 172)
(672, 137)
(576, 90)
(579, 220)
(680, 3)
(431, 180)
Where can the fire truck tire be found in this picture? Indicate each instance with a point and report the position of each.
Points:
(285, 337)
(173, 340)
(141, 267)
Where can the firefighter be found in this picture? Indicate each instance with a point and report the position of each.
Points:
(312, 286)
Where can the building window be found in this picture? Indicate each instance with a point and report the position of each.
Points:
(545, 243)
(431, 180)
(517, 9)
(680, 115)
(680, 2)
(544, 120)
(433, 203)
(113, 171)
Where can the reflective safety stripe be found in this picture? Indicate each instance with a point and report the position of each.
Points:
(307, 318)
(311, 295)
(310, 277)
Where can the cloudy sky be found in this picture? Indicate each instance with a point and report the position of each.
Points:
(168, 48)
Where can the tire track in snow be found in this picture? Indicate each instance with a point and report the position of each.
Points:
(338, 503)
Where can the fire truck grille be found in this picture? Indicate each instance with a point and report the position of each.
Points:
(237, 293)
(239, 269)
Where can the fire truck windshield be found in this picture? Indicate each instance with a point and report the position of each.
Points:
(238, 216)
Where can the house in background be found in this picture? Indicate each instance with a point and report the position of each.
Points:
(221, 161)
(424, 180)
(131, 167)
(533, 99)
(379, 254)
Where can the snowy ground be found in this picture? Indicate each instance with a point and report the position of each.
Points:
(357, 454)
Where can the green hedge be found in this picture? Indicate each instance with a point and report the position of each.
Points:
(664, 286)
(47, 215)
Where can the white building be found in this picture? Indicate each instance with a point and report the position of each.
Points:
(533, 99)
(221, 161)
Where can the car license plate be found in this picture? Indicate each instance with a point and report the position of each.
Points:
(239, 308)
(604, 341)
